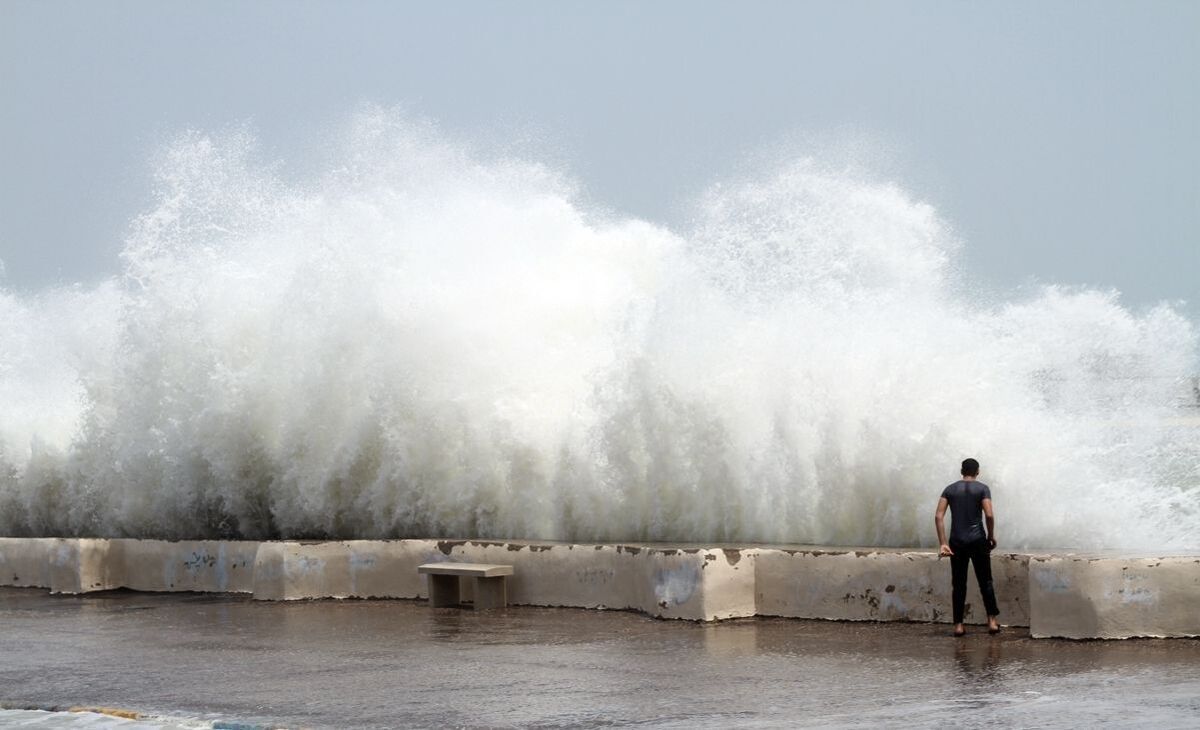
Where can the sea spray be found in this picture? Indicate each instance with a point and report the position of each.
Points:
(425, 340)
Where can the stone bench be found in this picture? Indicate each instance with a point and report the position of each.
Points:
(490, 591)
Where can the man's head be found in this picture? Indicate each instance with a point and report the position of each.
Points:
(970, 468)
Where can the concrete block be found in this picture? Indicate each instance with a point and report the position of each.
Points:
(350, 569)
(285, 571)
(729, 583)
(880, 585)
(1114, 598)
(216, 566)
(82, 565)
(62, 564)
(666, 582)
(524, 586)
(552, 574)
(25, 561)
(388, 569)
(672, 583)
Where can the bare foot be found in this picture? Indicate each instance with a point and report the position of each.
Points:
(960, 630)
(993, 625)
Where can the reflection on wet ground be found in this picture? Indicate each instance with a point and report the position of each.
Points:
(400, 663)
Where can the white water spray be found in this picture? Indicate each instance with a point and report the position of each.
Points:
(421, 342)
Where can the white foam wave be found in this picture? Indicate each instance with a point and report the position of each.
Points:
(423, 341)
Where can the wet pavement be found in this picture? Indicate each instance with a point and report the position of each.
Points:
(403, 664)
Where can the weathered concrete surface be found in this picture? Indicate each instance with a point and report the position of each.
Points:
(82, 565)
(64, 565)
(25, 561)
(207, 566)
(668, 582)
(1061, 596)
(730, 583)
(1114, 598)
(880, 585)
(285, 571)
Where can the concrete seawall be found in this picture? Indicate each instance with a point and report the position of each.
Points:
(1056, 596)
(1096, 597)
(881, 585)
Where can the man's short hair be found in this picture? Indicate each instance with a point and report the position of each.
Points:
(970, 468)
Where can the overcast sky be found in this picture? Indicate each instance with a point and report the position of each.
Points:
(1061, 140)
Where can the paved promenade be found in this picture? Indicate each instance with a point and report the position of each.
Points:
(228, 660)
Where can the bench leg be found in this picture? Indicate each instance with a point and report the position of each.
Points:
(490, 593)
(443, 590)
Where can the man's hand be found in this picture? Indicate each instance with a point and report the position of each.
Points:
(991, 543)
(939, 521)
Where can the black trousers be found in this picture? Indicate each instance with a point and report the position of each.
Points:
(979, 553)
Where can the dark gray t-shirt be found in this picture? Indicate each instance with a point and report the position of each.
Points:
(966, 510)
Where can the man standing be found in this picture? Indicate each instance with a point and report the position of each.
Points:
(970, 501)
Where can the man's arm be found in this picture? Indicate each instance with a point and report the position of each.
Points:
(990, 518)
(939, 520)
